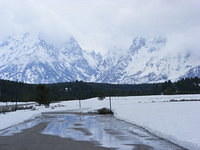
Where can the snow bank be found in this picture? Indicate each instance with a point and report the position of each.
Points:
(176, 121)
(12, 118)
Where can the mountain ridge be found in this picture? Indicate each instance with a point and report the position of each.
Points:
(30, 58)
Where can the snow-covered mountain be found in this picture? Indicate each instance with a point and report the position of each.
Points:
(193, 72)
(145, 62)
(30, 58)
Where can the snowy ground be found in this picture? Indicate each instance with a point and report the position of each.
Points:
(13, 103)
(176, 121)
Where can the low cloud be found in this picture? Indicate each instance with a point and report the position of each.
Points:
(104, 24)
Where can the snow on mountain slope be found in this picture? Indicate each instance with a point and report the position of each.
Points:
(193, 72)
(145, 62)
(30, 58)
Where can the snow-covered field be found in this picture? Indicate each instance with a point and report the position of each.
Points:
(176, 121)
(13, 103)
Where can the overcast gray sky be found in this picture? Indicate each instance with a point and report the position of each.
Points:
(104, 24)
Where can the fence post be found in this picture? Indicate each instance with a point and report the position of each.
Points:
(110, 104)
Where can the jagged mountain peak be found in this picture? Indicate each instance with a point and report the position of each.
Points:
(193, 72)
(145, 61)
(33, 58)
(71, 46)
(149, 44)
(137, 44)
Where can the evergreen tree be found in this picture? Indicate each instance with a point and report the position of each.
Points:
(42, 94)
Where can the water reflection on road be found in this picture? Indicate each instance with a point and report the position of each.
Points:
(104, 130)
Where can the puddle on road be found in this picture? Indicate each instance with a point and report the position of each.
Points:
(104, 130)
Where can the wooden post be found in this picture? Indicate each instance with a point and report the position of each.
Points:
(80, 109)
(110, 104)
(16, 105)
(16, 99)
(79, 104)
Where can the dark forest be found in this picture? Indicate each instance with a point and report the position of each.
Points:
(47, 93)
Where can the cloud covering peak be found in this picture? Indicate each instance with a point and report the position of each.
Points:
(104, 24)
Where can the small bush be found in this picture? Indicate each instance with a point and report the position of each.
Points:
(104, 111)
(101, 98)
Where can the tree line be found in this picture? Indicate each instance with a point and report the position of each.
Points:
(47, 93)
